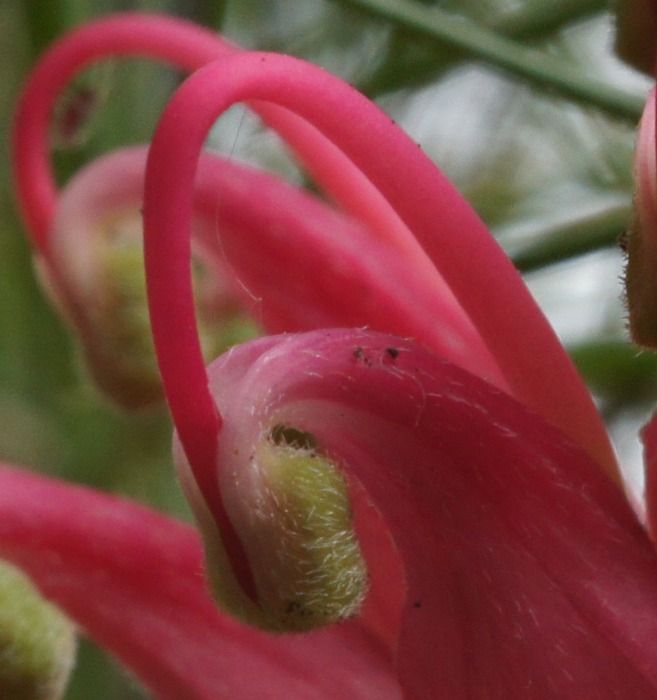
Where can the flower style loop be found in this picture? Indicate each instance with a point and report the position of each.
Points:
(464, 541)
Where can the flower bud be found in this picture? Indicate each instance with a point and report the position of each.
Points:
(37, 643)
(290, 507)
(94, 276)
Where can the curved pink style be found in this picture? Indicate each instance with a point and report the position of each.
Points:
(527, 352)
(483, 279)
(189, 46)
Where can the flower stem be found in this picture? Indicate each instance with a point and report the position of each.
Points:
(527, 22)
(45, 21)
(535, 19)
(545, 72)
(556, 243)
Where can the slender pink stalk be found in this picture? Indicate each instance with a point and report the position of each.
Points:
(133, 580)
(528, 575)
(183, 43)
(526, 333)
(188, 47)
(481, 276)
(649, 439)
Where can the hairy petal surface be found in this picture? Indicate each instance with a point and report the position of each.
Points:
(527, 574)
(133, 580)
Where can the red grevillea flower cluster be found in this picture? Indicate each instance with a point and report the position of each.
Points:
(418, 460)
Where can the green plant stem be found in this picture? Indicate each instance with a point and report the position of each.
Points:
(535, 20)
(529, 21)
(554, 244)
(546, 72)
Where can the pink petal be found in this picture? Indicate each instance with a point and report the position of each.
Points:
(133, 579)
(528, 575)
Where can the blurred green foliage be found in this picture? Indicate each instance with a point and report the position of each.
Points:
(550, 176)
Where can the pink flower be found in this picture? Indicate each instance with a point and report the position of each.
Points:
(85, 243)
(503, 558)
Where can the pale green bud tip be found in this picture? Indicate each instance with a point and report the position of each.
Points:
(122, 360)
(306, 561)
(37, 643)
(103, 292)
(309, 569)
(97, 283)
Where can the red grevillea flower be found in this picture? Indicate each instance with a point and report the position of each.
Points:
(503, 562)
(372, 408)
(86, 237)
(513, 347)
(133, 579)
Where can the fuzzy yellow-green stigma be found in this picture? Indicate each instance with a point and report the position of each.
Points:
(119, 349)
(121, 357)
(313, 574)
(308, 567)
(37, 643)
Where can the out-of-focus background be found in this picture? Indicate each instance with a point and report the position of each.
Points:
(547, 169)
